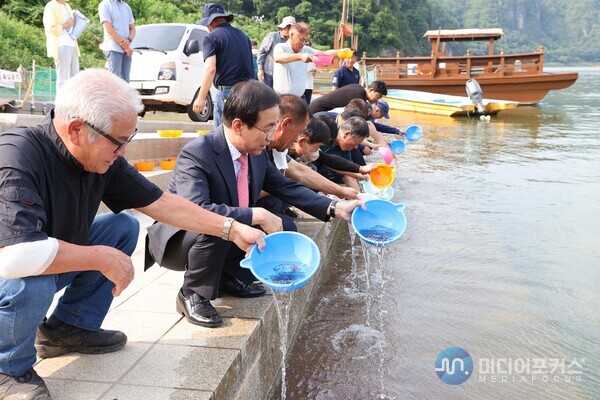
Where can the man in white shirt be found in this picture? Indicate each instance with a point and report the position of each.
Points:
(291, 58)
(58, 18)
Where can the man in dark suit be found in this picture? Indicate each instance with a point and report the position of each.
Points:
(224, 172)
(293, 118)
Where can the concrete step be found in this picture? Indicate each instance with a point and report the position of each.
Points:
(149, 124)
(151, 147)
(147, 145)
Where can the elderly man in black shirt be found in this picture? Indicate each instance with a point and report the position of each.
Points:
(52, 179)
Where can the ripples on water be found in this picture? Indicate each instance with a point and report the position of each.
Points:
(501, 257)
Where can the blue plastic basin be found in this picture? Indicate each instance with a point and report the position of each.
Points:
(397, 146)
(287, 262)
(382, 223)
(413, 133)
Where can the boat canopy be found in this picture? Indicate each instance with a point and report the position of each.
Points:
(463, 35)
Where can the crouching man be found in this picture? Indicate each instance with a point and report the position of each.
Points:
(52, 179)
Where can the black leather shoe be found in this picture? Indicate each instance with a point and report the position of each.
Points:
(290, 213)
(68, 338)
(26, 387)
(198, 311)
(237, 288)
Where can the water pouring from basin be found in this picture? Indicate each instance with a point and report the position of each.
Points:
(287, 263)
(382, 223)
(375, 192)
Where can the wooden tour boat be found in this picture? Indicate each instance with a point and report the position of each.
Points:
(515, 77)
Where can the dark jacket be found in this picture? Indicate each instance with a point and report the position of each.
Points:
(204, 174)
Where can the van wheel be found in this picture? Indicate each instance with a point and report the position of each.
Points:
(207, 111)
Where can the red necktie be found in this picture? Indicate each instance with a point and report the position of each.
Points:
(242, 182)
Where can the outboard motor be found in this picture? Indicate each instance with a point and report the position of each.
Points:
(475, 94)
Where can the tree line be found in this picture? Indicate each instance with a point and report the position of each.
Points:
(569, 30)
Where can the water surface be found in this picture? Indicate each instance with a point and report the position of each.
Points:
(501, 257)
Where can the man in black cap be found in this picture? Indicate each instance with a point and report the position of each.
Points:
(381, 109)
(227, 58)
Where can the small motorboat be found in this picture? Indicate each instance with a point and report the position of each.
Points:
(443, 104)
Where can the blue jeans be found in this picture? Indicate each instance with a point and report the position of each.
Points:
(24, 302)
(222, 95)
(119, 64)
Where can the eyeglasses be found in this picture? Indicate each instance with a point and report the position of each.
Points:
(269, 132)
(305, 41)
(120, 145)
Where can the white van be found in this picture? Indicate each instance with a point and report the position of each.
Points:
(167, 67)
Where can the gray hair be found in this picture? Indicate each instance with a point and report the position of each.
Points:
(98, 97)
(357, 127)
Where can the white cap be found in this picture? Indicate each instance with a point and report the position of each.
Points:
(287, 21)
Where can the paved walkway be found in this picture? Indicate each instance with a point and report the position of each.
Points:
(168, 358)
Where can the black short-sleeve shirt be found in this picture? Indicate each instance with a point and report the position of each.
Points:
(45, 193)
(338, 98)
(344, 77)
(233, 50)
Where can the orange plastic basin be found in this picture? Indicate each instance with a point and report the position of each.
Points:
(145, 165)
(382, 176)
(167, 164)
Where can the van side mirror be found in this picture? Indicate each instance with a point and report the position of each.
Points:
(192, 47)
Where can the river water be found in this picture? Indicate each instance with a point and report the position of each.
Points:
(501, 257)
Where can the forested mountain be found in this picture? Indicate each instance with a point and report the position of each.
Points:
(568, 29)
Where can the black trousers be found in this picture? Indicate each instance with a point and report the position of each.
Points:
(208, 260)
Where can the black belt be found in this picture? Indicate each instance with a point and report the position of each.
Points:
(224, 87)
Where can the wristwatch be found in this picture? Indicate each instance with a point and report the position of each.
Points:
(331, 209)
(227, 228)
